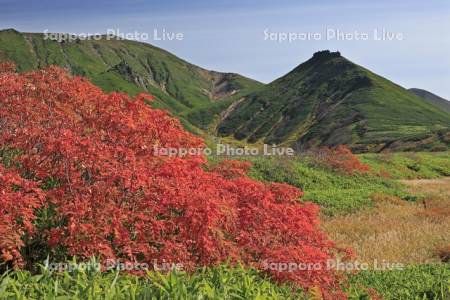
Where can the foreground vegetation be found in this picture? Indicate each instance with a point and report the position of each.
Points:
(208, 283)
(415, 282)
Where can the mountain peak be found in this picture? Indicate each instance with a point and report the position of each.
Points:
(325, 54)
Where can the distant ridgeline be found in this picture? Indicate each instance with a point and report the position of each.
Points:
(326, 101)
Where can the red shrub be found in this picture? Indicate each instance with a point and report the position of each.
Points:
(116, 199)
(18, 200)
(342, 159)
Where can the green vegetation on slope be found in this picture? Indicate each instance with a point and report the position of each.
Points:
(328, 101)
(131, 67)
(419, 165)
(432, 98)
(339, 193)
(335, 192)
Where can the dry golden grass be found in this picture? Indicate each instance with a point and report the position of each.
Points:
(397, 231)
(431, 187)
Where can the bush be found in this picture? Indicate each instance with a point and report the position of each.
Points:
(341, 159)
(19, 199)
(115, 198)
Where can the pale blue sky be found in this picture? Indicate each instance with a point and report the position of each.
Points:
(229, 35)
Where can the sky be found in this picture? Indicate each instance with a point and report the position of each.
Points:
(407, 42)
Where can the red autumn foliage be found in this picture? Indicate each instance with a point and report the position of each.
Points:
(342, 159)
(115, 199)
(7, 67)
(232, 168)
(18, 200)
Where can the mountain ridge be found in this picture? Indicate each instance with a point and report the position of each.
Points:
(328, 100)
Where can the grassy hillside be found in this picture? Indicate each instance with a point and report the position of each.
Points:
(329, 100)
(432, 98)
(131, 67)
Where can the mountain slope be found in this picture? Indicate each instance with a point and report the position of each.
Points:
(131, 67)
(432, 98)
(327, 101)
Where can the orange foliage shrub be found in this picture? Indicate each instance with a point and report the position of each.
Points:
(18, 200)
(342, 159)
(116, 199)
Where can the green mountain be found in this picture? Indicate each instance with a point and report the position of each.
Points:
(432, 98)
(186, 90)
(328, 100)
